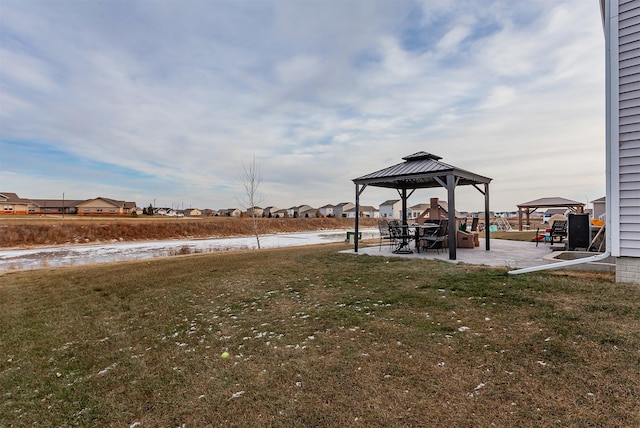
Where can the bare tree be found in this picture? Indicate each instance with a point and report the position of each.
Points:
(251, 179)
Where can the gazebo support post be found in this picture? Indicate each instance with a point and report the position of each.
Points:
(520, 219)
(486, 217)
(451, 215)
(357, 225)
(404, 207)
(357, 222)
(405, 247)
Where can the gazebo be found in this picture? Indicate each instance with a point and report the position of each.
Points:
(555, 202)
(421, 171)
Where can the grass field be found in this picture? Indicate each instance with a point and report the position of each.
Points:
(316, 338)
(25, 231)
(31, 230)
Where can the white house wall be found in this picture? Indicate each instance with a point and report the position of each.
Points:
(391, 211)
(629, 127)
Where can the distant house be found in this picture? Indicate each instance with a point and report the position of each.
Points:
(414, 211)
(506, 214)
(365, 211)
(340, 209)
(327, 210)
(193, 212)
(270, 211)
(299, 210)
(280, 213)
(13, 204)
(208, 212)
(553, 211)
(54, 206)
(257, 210)
(292, 212)
(391, 209)
(230, 212)
(599, 208)
(105, 206)
(309, 212)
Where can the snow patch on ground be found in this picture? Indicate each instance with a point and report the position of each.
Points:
(67, 255)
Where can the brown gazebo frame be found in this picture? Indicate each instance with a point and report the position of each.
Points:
(421, 171)
(555, 202)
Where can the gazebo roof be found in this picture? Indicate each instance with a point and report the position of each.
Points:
(554, 202)
(419, 170)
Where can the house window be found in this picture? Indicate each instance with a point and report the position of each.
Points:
(112, 211)
(98, 210)
(85, 210)
(8, 208)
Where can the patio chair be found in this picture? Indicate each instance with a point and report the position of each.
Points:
(385, 232)
(474, 224)
(558, 231)
(436, 240)
(395, 230)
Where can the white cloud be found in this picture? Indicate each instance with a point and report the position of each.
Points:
(453, 38)
(319, 92)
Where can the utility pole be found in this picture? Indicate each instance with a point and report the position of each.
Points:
(62, 204)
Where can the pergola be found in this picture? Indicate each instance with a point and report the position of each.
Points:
(555, 202)
(421, 171)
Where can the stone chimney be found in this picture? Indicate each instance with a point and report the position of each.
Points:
(434, 211)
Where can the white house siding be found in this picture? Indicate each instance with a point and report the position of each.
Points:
(390, 210)
(340, 210)
(629, 126)
(365, 211)
(327, 210)
(386, 211)
(622, 34)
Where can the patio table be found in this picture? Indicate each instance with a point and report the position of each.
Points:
(403, 247)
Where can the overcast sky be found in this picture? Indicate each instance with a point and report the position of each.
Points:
(165, 100)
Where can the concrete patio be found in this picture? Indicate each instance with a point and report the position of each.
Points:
(504, 253)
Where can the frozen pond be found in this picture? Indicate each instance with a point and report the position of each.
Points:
(68, 255)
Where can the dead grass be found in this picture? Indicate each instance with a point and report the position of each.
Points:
(316, 338)
(21, 231)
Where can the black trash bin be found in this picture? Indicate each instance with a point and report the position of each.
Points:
(579, 231)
